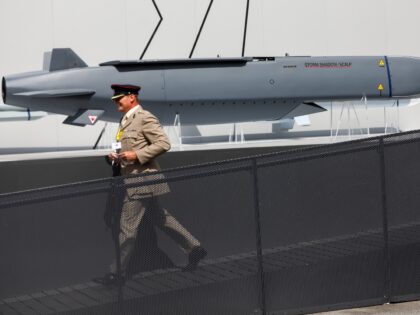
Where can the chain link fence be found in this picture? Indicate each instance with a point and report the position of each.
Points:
(293, 232)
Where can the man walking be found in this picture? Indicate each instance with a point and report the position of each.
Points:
(140, 140)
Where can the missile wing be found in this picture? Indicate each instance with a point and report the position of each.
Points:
(210, 90)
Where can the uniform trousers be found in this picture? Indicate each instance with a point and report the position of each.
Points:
(132, 213)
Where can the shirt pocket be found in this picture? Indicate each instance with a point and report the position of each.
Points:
(129, 134)
(129, 139)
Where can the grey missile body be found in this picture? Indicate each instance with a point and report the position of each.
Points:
(211, 91)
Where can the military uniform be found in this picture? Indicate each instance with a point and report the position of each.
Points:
(142, 133)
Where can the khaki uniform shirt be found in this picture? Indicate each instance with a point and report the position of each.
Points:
(143, 134)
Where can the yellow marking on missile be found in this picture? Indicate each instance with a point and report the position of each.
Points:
(381, 63)
(380, 87)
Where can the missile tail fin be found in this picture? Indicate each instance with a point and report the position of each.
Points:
(62, 59)
(305, 108)
(47, 61)
(84, 117)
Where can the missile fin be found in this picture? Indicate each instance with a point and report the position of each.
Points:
(62, 59)
(305, 108)
(84, 117)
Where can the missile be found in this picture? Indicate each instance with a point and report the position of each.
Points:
(210, 90)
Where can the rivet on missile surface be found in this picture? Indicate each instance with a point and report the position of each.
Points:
(271, 81)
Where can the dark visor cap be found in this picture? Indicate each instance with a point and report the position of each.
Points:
(121, 90)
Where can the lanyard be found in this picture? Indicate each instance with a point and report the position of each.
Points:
(119, 134)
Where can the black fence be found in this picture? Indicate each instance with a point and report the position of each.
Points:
(308, 230)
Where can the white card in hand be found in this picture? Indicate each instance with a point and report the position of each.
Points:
(116, 146)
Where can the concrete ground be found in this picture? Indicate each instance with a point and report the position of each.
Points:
(406, 308)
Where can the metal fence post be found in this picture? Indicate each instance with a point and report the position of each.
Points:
(115, 204)
(387, 255)
(258, 236)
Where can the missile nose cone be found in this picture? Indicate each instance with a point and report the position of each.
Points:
(3, 89)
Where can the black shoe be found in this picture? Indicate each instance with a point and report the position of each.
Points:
(196, 254)
(109, 279)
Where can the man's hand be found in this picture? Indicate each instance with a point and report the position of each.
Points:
(112, 156)
(128, 156)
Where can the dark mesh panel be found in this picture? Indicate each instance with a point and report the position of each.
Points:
(322, 230)
(53, 247)
(212, 207)
(312, 219)
(403, 199)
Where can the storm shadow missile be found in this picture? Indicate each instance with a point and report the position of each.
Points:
(211, 90)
